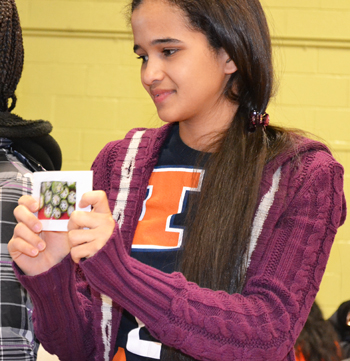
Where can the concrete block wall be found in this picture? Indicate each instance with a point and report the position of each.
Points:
(81, 74)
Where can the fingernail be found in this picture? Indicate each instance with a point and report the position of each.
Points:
(37, 227)
(41, 246)
(35, 251)
(35, 206)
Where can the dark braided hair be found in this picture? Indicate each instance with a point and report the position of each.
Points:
(11, 53)
(318, 340)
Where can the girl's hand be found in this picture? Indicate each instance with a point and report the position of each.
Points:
(35, 251)
(88, 232)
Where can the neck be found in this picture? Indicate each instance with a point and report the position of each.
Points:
(203, 134)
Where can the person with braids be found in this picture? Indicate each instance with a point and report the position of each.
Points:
(318, 340)
(25, 146)
(208, 236)
(340, 320)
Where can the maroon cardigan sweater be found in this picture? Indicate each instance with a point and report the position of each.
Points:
(77, 309)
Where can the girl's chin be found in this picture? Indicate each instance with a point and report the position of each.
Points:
(168, 119)
(170, 115)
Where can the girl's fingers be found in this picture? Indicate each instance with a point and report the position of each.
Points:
(80, 219)
(25, 241)
(88, 232)
(85, 250)
(84, 243)
(100, 215)
(97, 199)
(18, 246)
(91, 220)
(80, 236)
(99, 234)
(24, 215)
(29, 202)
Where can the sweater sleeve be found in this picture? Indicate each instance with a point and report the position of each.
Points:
(63, 315)
(283, 278)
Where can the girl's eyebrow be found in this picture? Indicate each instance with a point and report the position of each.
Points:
(160, 41)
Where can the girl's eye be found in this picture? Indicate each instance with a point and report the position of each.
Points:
(169, 52)
(144, 58)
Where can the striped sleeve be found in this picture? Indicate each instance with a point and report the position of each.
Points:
(17, 339)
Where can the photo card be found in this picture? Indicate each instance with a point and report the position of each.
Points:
(59, 194)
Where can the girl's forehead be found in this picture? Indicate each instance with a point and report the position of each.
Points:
(157, 14)
(154, 21)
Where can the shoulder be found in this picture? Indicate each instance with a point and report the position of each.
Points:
(12, 168)
(308, 169)
(110, 148)
(313, 165)
(15, 181)
(142, 142)
(305, 159)
(137, 136)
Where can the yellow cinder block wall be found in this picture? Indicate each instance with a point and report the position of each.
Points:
(81, 74)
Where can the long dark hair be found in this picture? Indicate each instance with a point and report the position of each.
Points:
(218, 233)
(318, 339)
(11, 54)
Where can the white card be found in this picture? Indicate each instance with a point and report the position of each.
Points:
(59, 194)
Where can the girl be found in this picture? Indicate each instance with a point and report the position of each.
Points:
(209, 236)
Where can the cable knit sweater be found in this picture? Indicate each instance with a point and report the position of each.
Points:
(77, 309)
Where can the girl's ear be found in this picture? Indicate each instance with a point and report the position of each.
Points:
(229, 65)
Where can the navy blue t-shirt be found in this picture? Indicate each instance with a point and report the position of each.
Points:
(159, 234)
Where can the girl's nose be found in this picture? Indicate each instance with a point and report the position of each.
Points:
(152, 71)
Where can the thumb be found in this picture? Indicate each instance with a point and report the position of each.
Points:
(98, 201)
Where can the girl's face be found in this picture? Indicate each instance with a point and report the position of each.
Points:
(181, 72)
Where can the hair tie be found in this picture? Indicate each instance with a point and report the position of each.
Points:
(257, 119)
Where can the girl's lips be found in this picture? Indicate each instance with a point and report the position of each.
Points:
(160, 95)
